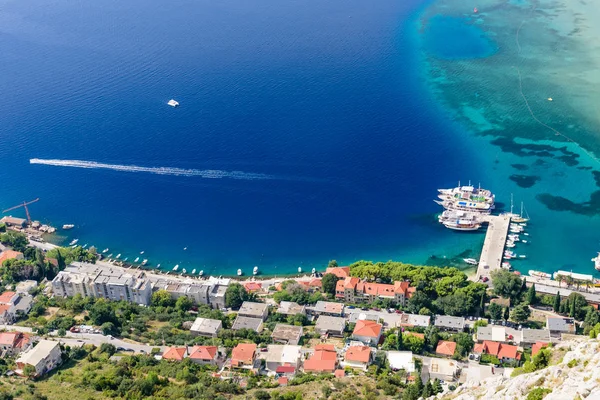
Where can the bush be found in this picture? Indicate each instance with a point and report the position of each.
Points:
(538, 393)
(489, 359)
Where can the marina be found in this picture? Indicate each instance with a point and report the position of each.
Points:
(493, 245)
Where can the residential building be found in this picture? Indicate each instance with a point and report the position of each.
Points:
(537, 347)
(291, 308)
(504, 352)
(410, 320)
(13, 305)
(287, 334)
(254, 310)
(217, 295)
(241, 322)
(559, 325)
(95, 280)
(492, 332)
(13, 343)
(253, 287)
(175, 353)
(243, 355)
(204, 355)
(357, 316)
(44, 357)
(401, 360)
(357, 357)
(282, 356)
(26, 286)
(449, 323)
(206, 327)
(367, 332)
(327, 308)
(340, 272)
(353, 290)
(10, 255)
(531, 336)
(445, 348)
(333, 326)
(442, 369)
(14, 222)
(315, 284)
(324, 359)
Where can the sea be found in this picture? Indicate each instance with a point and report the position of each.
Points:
(307, 131)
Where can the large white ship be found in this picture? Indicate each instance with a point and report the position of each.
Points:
(467, 193)
(460, 220)
(597, 262)
(463, 205)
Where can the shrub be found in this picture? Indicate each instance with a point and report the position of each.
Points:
(538, 393)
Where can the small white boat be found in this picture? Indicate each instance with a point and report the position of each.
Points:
(136, 259)
(185, 248)
(109, 256)
(299, 269)
(175, 268)
(142, 252)
(524, 241)
(471, 261)
(193, 271)
(125, 259)
(118, 256)
(506, 265)
(201, 272)
(158, 266)
(510, 244)
(105, 250)
(68, 226)
(314, 270)
(73, 242)
(183, 271)
(173, 103)
(255, 271)
(84, 246)
(239, 272)
(522, 256)
(144, 262)
(525, 233)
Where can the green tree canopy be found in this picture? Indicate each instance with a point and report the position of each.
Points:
(235, 295)
(161, 298)
(520, 313)
(506, 284)
(329, 281)
(464, 343)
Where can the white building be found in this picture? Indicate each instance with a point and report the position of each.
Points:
(206, 327)
(401, 360)
(44, 357)
(278, 355)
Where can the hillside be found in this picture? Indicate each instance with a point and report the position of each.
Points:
(576, 376)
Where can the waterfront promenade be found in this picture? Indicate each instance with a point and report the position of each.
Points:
(493, 245)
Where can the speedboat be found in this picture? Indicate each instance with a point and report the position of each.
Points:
(175, 268)
(193, 271)
(173, 103)
(84, 246)
(73, 242)
(522, 256)
(142, 252)
(510, 244)
(314, 270)
(524, 241)
(105, 250)
(255, 271)
(158, 266)
(471, 261)
(525, 233)
(68, 226)
(118, 256)
(596, 261)
(299, 269)
(183, 271)
(144, 262)
(201, 272)
(136, 259)
(185, 248)
(239, 272)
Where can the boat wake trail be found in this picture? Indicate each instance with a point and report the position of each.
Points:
(207, 173)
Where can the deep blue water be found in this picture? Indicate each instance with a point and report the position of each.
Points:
(323, 96)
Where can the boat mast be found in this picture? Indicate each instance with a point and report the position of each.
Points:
(511, 203)
(521, 209)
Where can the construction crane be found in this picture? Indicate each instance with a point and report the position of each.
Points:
(24, 205)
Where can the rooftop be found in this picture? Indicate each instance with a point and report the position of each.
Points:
(283, 354)
(290, 333)
(340, 272)
(367, 328)
(174, 353)
(204, 353)
(358, 353)
(9, 255)
(291, 308)
(322, 360)
(205, 325)
(243, 352)
(242, 322)
(38, 353)
(401, 360)
(328, 323)
(537, 347)
(560, 324)
(252, 309)
(446, 348)
(329, 307)
(7, 297)
(535, 335)
(447, 321)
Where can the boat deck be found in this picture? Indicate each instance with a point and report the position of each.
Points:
(493, 245)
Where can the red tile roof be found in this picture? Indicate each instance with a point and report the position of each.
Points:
(358, 353)
(283, 380)
(508, 351)
(367, 328)
(9, 255)
(497, 349)
(15, 339)
(417, 334)
(243, 353)
(340, 272)
(316, 282)
(6, 297)
(446, 348)
(174, 353)
(321, 361)
(326, 347)
(252, 286)
(285, 369)
(537, 347)
(340, 373)
(205, 353)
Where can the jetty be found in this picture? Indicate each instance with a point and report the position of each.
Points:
(493, 245)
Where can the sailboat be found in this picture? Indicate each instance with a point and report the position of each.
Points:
(520, 218)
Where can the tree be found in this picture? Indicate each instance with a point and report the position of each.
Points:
(591, 319)
(454, 304)
(482, 303)
(506, 313)
(411, 392)
(329, 283)
(520, 313)
(418, 301)
(17, 240)
(108, 349)
(413, 343)
(391, 342)
(464, 343)
(29, 371)
(262, 395)
(531, 295)
(427, 390)
(578, 306)
(432, 337)
(102, 312)
(556, 306)
(183, 303)
(506, 284)
(161, 298)
(235, 295)
(437, 386)
(332, 264)
(495, 311)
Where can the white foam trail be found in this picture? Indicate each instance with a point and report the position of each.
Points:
(207, 173)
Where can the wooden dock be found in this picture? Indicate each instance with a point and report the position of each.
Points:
(493, 245)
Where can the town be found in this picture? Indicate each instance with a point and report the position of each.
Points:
(396, 329)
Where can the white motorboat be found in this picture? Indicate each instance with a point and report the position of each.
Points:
(118, 256)
(73, 242)
(201, 272)
(136, 259)
(522, 256)
(193, 271)
(299, 269)
(183, 271)
(142, 252)
(255, 270)
(173, 103)
(175, 268)
(510, 244)
(525, 233)
(524, 241)
(314, 270)
(158, 266)
(105, 250)
(84, 246)
(239, 272)
(471, 261)
(596, 261)
(68, 226)
(144, 262)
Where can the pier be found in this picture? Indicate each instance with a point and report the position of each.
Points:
(493, 246)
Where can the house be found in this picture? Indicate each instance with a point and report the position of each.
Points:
(442, 369)
(44, 357)
(254, 310)
(252, 287)
(492, 332)
(287, 334)
(445, 348)
(26, 286)
(531, 336)
(283, 357)
(504, 352)
(291, 308)
(283, 380)
(13, 343)
(14, 304)
(340, 272)
(357, 316)
(357, 357)
(449, 323)
(204, 355)
(333, 326)
(410, 320)
(175, 353)
(13, 221)
(243, 355)
(206, 327)
(537, 347)
(324, 359)
(353, 290)
(401, 360)
(559, 325)
(255, 324)
(315, 283)
(368, 332)
(10, 255)
(327, 308)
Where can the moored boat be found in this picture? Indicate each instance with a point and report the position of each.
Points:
(176, 267)
(144, 262)
(73, 242)
(471, 261)
(68, 226)
(239, 272)
(193, 271)
(299, 269)
(136, 259)
(255, 270)
(539, 274)
(596, 261)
